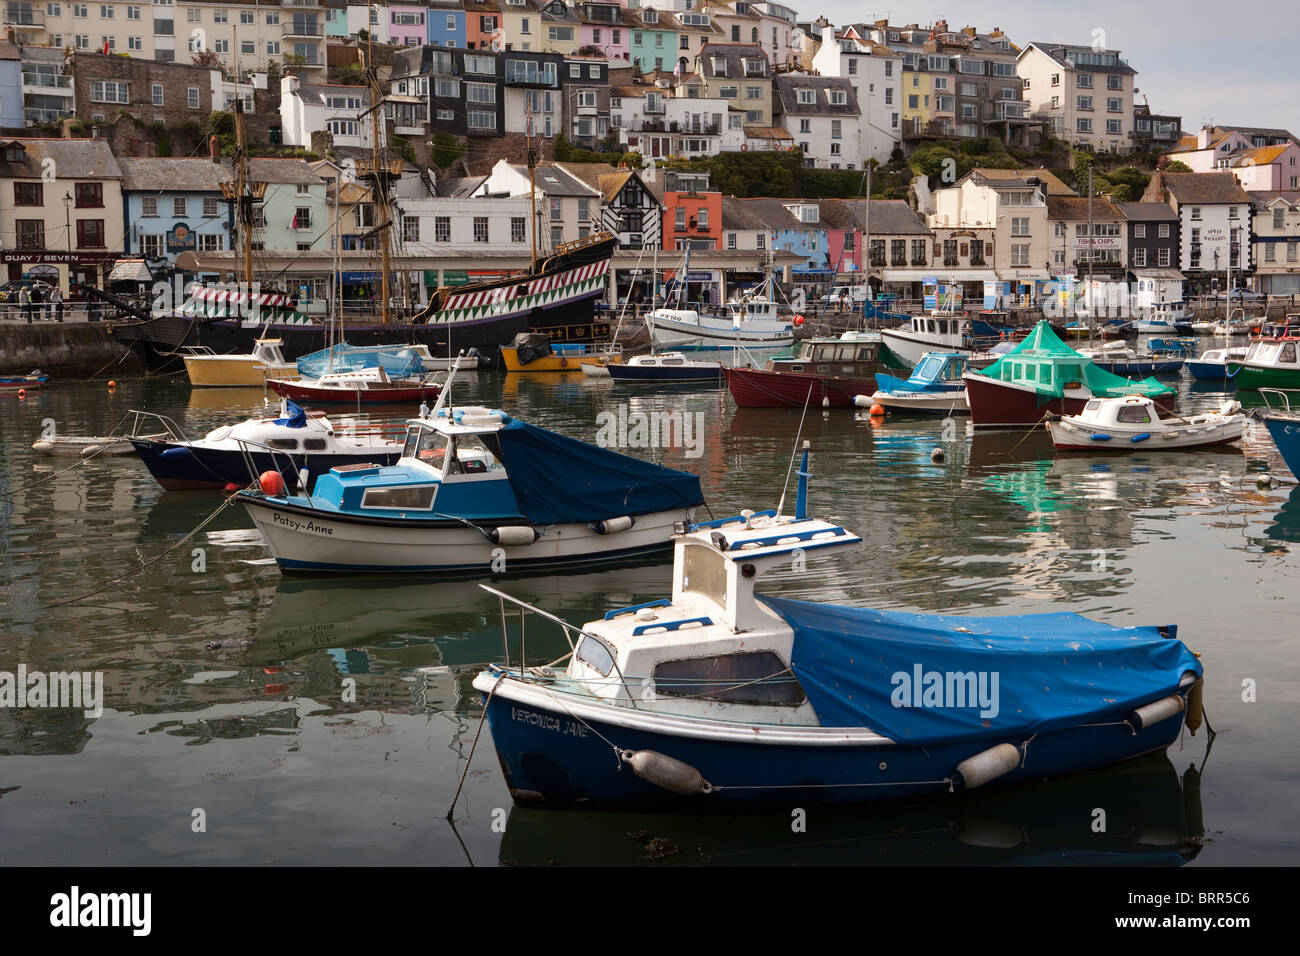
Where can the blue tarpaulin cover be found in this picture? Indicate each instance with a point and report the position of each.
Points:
(295, 417)
(1053, 670)
(559, 480)
(397, 362)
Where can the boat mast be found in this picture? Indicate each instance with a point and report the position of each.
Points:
(532, 191)
(866, 237)
(1092, 250)
(380, 192)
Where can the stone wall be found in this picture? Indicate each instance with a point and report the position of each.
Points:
(67, 350)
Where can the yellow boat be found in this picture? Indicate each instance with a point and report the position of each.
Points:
(207, 369)
(532, 352)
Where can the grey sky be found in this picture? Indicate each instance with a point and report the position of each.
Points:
(1206, 61)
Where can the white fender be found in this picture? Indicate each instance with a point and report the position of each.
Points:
(988, 765)
(513, 535)
(1156, 711)
(667, 772)
(611, 525)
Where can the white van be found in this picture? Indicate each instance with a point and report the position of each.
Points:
(847, 296)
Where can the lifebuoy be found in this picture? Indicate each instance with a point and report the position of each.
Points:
(744, 147)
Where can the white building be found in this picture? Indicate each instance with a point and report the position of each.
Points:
(1085, 95)
(655, 123)
(876, 74)
(1215, 224)
(568, 209)
(822, 117)
(305, 108)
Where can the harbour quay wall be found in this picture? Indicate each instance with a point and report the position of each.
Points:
(64, 349)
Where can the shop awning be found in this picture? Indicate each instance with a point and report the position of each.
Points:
(1172, 275)
(130, 270)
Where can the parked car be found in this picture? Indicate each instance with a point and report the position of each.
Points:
(9, 291)
(1240, 295)
(847, 296)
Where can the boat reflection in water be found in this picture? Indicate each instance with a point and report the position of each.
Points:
(1138, 813)
(1286, 523)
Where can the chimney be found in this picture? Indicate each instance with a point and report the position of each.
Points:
(1203, 137)
(828, 35)
(214, 149)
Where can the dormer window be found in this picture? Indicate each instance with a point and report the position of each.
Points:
(13, 153)
(719, 66)
(806, 97)
(755, 66)
(649, 16)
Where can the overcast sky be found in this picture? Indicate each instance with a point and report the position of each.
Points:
(1228, 63)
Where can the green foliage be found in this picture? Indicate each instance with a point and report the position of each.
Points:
(566, 152)
(446, 150)
(945, 162)
(1177, 166)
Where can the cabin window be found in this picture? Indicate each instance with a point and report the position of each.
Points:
(1030, 373)
(313, 444)
(405, 497)
(705, 572)
(1047, 375)
(425, 445)
(751, 677)
(1092, 406)
(866, 353)
(846, 353)
(595, 654)
(470, 456)
(674, 362)
(1288, 353)
(283, 444)
(1133, 414)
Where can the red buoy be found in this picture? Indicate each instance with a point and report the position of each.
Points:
(271, 483)
(877, 410)
(798, 320)
(112, 384)
(22, 393)
(231, 486)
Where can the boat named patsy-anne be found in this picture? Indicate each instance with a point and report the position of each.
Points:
(477, 491)
(717, 697)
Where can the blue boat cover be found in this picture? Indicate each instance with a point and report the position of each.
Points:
(295, 417)
(397, 362)
(559, 480)
(912, 677)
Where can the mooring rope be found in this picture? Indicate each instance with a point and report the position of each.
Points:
(108, 583)
(468, 760)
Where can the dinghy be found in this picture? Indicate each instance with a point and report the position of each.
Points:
(719, 698)
(1133, 423)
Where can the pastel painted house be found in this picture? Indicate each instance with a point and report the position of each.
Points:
(174, 205)
(445, 23)
(603, 30)
(295, 212)
(651, 45)
(406, 25)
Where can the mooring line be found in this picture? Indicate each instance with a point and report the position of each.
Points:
(105, 585)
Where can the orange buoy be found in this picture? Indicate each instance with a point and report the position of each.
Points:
(22, 393)
(798, 320)
(877, 410)
(271, 483)
(112, 384)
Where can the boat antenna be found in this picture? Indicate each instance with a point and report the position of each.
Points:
(445, 391)
(794, 451)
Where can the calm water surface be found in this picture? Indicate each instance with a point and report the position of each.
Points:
(224, 686)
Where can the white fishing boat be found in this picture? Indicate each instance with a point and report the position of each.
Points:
(1133, 423)
(754, 321)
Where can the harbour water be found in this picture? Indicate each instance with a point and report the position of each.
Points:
(255, 719)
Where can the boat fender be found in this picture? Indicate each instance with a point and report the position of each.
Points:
(611, 525)
(826, 401)
(1099, 437)
(217, 434)
(304, 478)
(1137, 438)
(564, 362)
(863, 401)
(512, 535)
(988, 765)
(666, 772)
(1155, 712)
(89, 450)
(1195, 707)
(43, 445)
(179, 452)
(993, 834)
(936, 454)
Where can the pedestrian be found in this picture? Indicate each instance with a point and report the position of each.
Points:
(25, 303)
(38, 300)
(56, 300)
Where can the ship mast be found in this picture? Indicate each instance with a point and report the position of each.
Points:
(243, 192)
(532, 191)
(380, 194)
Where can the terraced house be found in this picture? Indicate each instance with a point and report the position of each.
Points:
(874, 72)
(1277, 241)
(652, 44)
(738, 73)
(821, 115)
(174, 205)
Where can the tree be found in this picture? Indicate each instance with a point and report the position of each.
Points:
(1177, 166)
(446, 150)
(209, 59)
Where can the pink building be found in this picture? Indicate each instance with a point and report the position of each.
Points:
(406, 26)
(1268, 168)
(605, 27)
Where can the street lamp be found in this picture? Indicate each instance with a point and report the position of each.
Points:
(67, 219)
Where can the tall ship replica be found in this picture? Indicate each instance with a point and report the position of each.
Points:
(555, 295)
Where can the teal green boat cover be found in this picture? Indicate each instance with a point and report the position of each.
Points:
(1047, 364)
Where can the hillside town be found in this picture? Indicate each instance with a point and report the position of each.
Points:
(670, 124)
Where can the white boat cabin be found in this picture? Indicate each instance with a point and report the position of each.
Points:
(1273, 353)
(1129, 410)
(711, 650)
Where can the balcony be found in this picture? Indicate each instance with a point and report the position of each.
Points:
(302, 4)
(48, 82)
(308, 27)
(694, 129)
(655, 106)
(1011, 110)
(24, 16)
(34, 115)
